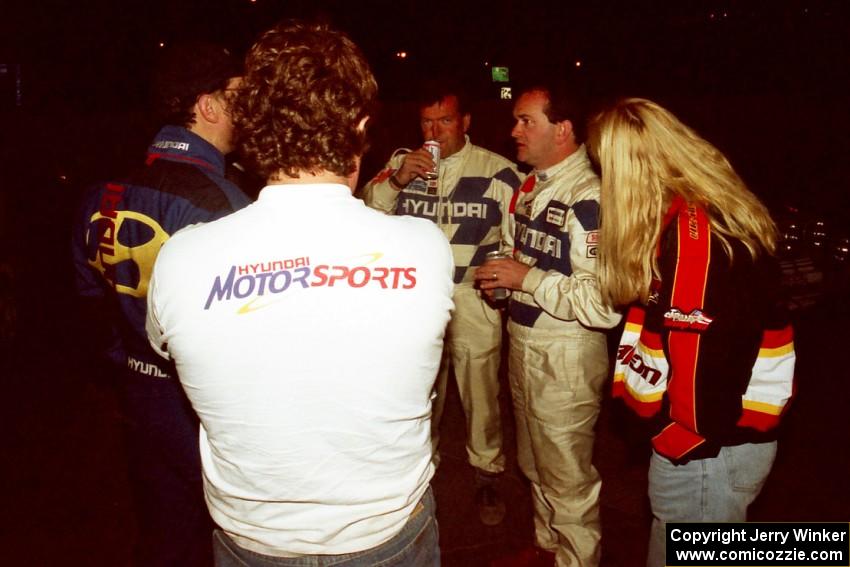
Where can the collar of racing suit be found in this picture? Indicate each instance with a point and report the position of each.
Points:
(539, 180)
(175, 143)
(575, 160)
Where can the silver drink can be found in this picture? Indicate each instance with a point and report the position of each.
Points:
(433, 148)
(499, 293)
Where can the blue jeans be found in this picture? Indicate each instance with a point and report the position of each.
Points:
(416, 545)
(705, 490)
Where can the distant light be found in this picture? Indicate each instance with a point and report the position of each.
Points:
(500, 74)
(486, 63)
(162, 44)
(505, 93)
(253, 1)
(711, 16)
(18, 90)
(63, 177)
(401, 54)
(725, 15)
(578, 63)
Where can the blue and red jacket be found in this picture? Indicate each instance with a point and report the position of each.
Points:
(122, 225)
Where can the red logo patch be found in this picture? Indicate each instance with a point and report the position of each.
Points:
(696, 320)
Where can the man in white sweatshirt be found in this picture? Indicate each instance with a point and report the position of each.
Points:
(309, 445)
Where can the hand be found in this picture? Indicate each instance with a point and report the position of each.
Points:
(414, 164)
(504, 272)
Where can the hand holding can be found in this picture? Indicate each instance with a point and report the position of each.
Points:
(433, 148)
(499, 293)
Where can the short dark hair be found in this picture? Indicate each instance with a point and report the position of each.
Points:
(187, 71)
(305, 91)
(434, 90)
(565, 101)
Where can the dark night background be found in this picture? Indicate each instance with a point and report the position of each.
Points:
(765, 80)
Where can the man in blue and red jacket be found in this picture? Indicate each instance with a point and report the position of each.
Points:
(117, 236)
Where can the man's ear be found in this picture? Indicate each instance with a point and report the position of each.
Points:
(467, 119)
(564, 130)
(208, 108)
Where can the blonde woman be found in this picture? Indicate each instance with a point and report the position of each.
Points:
(706, 351)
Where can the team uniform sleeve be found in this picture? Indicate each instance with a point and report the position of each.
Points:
(378, 193)
(577, 296)
(640, 369)
(96, 308)
(771, 386)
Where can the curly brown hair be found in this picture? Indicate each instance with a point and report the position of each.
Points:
(306, 89)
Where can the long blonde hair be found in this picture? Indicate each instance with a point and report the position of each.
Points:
(647, 157)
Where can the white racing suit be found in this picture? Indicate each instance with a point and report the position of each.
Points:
(470, 205)
(558, 359)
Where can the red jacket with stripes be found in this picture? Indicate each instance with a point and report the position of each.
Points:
(711, 356)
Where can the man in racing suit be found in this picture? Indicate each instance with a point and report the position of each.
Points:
(469, 201)
(117, 237)
(558, 359)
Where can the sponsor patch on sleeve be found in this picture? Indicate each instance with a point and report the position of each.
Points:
(592, 251)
